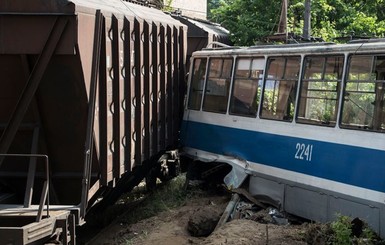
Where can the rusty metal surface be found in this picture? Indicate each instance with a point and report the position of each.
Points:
(136, 95)
(89, 144)
(153, 87)
(26, 230)
(15, 29)
(32, 84)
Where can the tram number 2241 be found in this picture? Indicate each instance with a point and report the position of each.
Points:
(303, 152)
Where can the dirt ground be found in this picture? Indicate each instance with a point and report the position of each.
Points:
(170, 228)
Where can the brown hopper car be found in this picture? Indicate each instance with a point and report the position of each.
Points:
(90, 98)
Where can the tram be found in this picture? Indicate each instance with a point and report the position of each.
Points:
(302, 125)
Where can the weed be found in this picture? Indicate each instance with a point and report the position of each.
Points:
(345, 232)
(317, 233)
(167, 6)
(342, 228)
(127, 241)
(169, 195)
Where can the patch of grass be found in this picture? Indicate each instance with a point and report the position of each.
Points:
(140, 204)
(341, 232)
(317, 233)
(342, 228)
(169, 195)
(138, 193)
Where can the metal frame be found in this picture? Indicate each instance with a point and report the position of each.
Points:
(45, 193)
(91, 113)
(32, 84)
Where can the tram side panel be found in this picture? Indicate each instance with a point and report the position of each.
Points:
(335, 180)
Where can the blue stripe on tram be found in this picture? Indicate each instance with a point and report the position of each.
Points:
(358, 166)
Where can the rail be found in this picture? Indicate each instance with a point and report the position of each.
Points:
(45, 193)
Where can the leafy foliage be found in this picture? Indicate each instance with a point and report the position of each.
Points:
(167, 6)
(342, 230)
(250, 21)
(247, 20)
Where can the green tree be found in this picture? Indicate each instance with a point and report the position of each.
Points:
(212, 4)
(336, 18)
(251, 20)
(247, 20)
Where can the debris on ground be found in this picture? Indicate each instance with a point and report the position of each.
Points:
(248, 232)
(203, 221)
(200, 210)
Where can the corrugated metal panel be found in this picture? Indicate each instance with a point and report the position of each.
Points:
(117, 7)
(37, 6)
(137, 99)
(104, 100)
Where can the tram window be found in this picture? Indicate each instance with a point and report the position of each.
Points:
(197, 83)
(280, 88)
(363, 106)
(321, 83)
(247, 86)
(217, 86)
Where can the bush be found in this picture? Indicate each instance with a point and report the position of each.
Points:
(348, 231)
(342, 229)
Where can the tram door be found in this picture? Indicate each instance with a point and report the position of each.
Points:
(195, 94)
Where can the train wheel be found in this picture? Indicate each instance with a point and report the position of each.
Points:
(169, 166)
(152, 177)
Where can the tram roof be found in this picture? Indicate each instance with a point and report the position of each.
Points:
(358, 46)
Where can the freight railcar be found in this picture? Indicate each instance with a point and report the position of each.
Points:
(202, 33)
(301, 125)
(89, 99)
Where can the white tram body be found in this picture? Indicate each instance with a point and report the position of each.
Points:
(304, 122)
